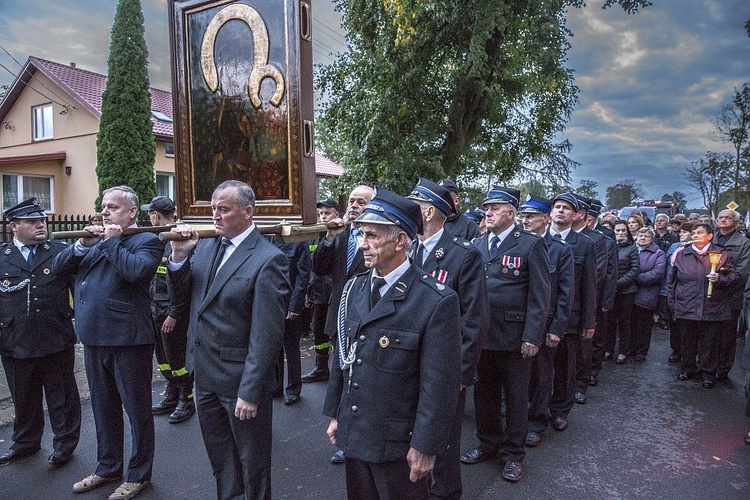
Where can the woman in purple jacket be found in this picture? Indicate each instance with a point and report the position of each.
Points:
(653, 263)
(700, 317)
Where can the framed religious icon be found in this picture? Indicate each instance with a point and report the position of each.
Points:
(243, 105)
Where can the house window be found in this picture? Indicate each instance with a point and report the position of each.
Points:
(165, 185)
(42, 116)
(17, 188)
(169, 147)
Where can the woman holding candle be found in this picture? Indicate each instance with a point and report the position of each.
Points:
(702, 276)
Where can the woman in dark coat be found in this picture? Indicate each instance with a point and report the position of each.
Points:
(653, 263)
(699, 317)
(686, 238)
(628, 267)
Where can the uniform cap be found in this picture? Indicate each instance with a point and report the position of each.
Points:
(390, 209)
(500, 194)
(535, 204)
(160, 204)
(476, 215)
(569, 198)
(583, 202)
(596, 208)
(449, 185)
(426, 190)
(29, 209)
(330, 203)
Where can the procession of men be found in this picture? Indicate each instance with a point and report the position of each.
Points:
(417, 314)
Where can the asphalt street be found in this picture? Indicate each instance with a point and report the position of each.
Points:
(643, 434)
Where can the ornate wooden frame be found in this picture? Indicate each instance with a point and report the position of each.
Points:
(243, 105)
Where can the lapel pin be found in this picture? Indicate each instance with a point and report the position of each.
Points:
(46, 270)
(384, 342)
(439, 253)
(7, 251)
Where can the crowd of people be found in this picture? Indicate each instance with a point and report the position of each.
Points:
(410, 300)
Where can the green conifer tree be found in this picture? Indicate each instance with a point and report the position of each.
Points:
(125, 146)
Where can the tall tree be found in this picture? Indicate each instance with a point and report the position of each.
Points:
(461, 89)
(733, 125)
(125, 146)
(679, 199)
(624, 193)
(710, 176)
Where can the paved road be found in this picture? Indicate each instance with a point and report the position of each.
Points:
(643, 434)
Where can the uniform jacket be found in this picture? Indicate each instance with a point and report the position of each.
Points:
(688, 286)
(298, 256)
(35, 319)
(604, 275)
(605, 231)
(629, 267)
(112, 300)
(404, 383)
(458, 264)
(561, 271)
(463, 227)
(237, 324)
(319, 290)
(518, 289)
(583, 312)
(739, 249)
(653, 265)
(331, 259)
(163, 301)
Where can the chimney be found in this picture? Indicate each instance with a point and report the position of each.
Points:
(73, 65)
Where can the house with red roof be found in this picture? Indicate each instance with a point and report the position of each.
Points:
(49, 120)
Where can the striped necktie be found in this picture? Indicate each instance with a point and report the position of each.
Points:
(351, 249)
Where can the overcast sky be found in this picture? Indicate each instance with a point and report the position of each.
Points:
(650, 83)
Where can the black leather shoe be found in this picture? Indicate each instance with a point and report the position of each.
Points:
(607, 356)
(747, 438)
(513, 471)
(477, 455)
(338, 457)
(58, 459)
(13, 455)
(559, 423)
(291, 399)
(640, 358)
(674, 358)
(580, 398)
(594, 381)
(684, 376)
(533, 439)
(620, 359)
(708, 384)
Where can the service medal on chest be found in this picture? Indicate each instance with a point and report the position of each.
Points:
(384, 342)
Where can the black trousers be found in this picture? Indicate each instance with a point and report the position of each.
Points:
(446, 476)
(503, 372)
(643, 326)
(51, 377)
(599, 343)
(540, 388)
(120, 377)
(318, 324)
(293, 329)
(727, 345)
(239, 450)
(170, 350)
(383, 481)
(622, 324)
(564, 385)
(699, 341)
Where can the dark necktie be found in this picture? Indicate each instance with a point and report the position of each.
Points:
(351, 249)
(419, 255)
(557, 237)
(494, 245)
(32, 252)
(377, 283)
(217, 259)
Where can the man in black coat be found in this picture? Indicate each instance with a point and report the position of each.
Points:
(535, 216)
(582, 321)
(394, 386)
(518, 286)
(457, 263)
(37, 338)
(339, 256)
(457, 223)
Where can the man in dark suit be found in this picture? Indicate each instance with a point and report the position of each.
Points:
(457, 263)
(393, 389)
(114, 324)
(582, 321)
(37, 338)
(338, 255)
(238, 289)
(535, 216)
(457, 223)
(518, 286)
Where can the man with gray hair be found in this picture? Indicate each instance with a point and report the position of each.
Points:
(113, 322)
(738, 248)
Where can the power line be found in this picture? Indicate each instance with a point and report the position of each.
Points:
(64, 105)
(336, 36)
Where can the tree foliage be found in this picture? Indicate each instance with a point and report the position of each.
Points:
(733, 126)
(679, 199)
(467, 90)
(624, 193)
(710, 176)
(126, 149)
(587, 188)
